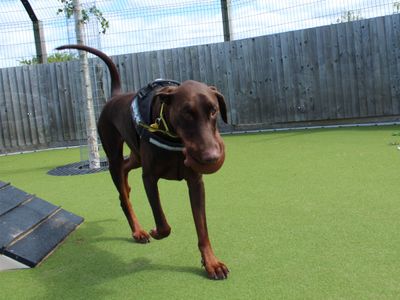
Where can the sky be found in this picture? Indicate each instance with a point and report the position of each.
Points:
(144, 25)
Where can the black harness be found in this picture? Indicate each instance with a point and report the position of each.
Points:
(141, 114)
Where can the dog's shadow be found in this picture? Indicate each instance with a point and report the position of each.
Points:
(144, 264)
(140, 264)
(85, 263)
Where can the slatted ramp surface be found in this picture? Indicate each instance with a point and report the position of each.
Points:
(30, 228)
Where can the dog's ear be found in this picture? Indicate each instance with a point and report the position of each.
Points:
(166, 93)
(221, 103)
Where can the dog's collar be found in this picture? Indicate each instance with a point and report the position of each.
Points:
(141, 114)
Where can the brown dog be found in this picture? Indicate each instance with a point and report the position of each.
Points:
(187, 146)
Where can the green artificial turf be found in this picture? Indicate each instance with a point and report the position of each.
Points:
(310, 214)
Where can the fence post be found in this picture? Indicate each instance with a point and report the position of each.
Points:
(40, 44)
(225, 10)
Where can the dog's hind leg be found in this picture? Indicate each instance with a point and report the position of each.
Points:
(119, 174)
(119, 169)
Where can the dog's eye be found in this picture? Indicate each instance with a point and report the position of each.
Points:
(213, 111)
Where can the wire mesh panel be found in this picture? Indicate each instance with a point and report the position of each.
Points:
(138, 26)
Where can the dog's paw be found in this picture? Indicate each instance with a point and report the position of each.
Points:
(216, 269)
(141, 236)
(159, 234)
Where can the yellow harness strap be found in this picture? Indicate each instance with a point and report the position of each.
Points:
(155, 127)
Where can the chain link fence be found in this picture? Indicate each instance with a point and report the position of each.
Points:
(138, 26)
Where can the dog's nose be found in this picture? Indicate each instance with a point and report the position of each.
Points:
(210, 156)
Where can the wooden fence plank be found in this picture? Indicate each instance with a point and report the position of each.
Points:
(43, 76)
(336, 66)
(386, 101)
(293, 70)
(263, 68)
(329, 73)
(201, 55)
(314, 92)
(37, 113)
(285, 114)
(225, 59)
(60, 95)
(135, 72)
(367, 58)
(4, 129)
(21, 103)
(393, 28)
(376, 71)
(10, 130)
(175, 65)
(168, 64)
(15, 107)
(353, 106)
(360, 69)
(188, 63)
(30, 110)
(345, 96)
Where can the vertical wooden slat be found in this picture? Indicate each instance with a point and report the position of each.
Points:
(314, 95)
(73, 99)
(323, 100)
(30, 110)
(376, 71)
(201, 75)
(142, 69)
(5, 142)
(344, 98)
(291, 60)
(391, 27)
(370, 107)
(176, 75)
(44, 92)
(264, 68)
(148, 66)
(182, 66)
(188, 63)
(336, 65)
(60, 95)
(154, 66)
(228, 56)
(15, 107)
(351, 76)
(161, 64)
(68, 88)
(279, 82)
(37, 113)
(396, 79)
(360, 69)
(168, 64)
(329, 72)
(135, 72)
(20, 103)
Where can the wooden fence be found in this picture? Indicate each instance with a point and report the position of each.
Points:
(340, 73)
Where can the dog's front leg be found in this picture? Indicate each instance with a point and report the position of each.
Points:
(215, 268)
(162, 229)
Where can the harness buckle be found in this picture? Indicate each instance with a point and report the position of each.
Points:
(156, 125)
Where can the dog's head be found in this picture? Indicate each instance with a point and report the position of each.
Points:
(192, 111)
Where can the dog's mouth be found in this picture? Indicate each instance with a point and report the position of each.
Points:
(204, 166)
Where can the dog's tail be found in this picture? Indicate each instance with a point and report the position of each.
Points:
(115, 80)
